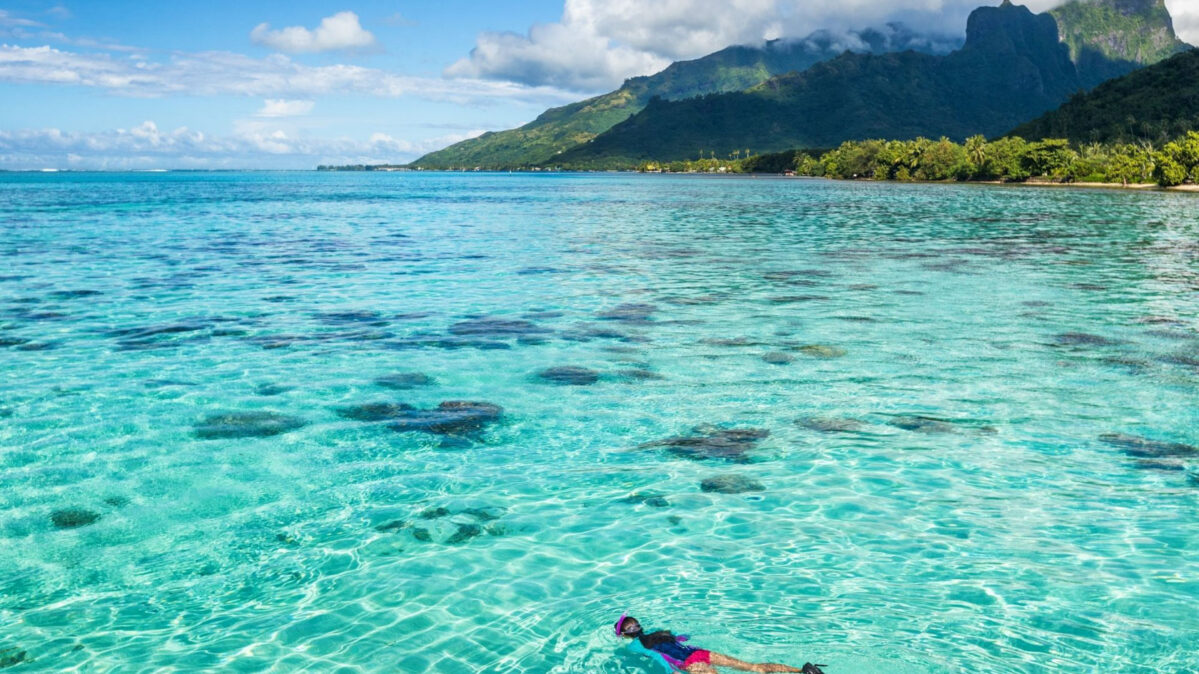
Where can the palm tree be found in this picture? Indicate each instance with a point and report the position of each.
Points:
(976, 148)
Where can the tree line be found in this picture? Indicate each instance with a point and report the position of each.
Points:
(1010, 159)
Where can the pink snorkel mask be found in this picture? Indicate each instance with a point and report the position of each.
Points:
(620, 623)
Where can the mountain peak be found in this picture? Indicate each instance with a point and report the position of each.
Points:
(1006, 26)
(1109, 38)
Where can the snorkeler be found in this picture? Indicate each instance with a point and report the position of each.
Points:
(668, 651)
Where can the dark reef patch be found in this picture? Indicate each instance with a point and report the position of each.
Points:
(585, 332)
(366, 318)
(711, 443)
(569, 375)
(73, 518)
(830, 424)
(821, 351)
(629, 313)
(496, 328)
(464, 533)
(11, 657)
(246, 425)
(649, 498)
(373, 411)
(488, 514)
(795, 299)
(453, 417)
(639, 374)
(272, 389)
(921, 424)
(404, 381)
(434, 513)
(1146, 448)
(731, 341)
(778, 358)
(1084, 339)
(730, 484)
(74, 294)
(143, 332)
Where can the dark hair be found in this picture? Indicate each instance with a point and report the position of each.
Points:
(656, 638)
(647, 640)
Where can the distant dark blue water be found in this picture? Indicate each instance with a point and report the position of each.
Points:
(459, 423)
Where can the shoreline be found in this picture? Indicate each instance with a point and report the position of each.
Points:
(1135, 187)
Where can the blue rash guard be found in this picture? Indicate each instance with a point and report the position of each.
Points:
(663, 665)
(659, 653)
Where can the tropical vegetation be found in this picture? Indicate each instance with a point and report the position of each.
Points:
(1009, 159)
(1155, 104)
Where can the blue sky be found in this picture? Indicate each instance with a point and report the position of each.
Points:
(135, 84)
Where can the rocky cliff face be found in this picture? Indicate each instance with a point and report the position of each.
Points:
(1111, 38)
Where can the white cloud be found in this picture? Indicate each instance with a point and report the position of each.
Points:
(225, 73)
(340, 31)
(555, 55)
(279, 107)
(598, 43)
(147, 146)
(7, 19)
(398, 19)
(1186, 19)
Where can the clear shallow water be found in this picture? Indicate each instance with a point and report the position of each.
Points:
(1001, 533)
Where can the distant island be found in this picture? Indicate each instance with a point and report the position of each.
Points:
(1116, 116)
(366, 167)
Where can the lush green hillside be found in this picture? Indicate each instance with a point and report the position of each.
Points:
(1154, 104)
(1006, 74)
(1012, 68)
(731, 69)
(1110, 38)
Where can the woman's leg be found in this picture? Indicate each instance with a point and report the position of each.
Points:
(722, 660)
(701, 668)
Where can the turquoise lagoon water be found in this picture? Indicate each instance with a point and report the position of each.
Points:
(981, 406)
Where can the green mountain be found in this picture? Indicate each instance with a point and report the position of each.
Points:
(1155, 104)
(1110, 38)
(731, 69)
(1012, 68)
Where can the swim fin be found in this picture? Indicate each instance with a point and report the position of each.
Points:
(809, 668)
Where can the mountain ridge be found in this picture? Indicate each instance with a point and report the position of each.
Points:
(1011, 68)
(1025, 75)
(730, 69)
(1155, 104)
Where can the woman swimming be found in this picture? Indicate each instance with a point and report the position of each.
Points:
(672, 655)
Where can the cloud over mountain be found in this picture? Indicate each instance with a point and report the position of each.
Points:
(599, 43)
